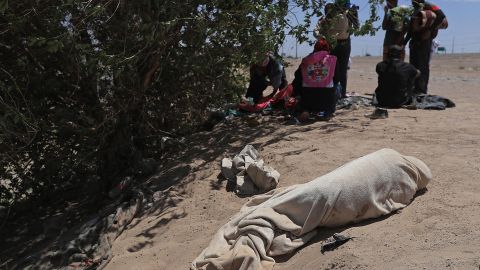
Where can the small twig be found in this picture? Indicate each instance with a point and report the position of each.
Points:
(115, 11)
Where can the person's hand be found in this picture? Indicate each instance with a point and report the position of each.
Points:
(273, 93)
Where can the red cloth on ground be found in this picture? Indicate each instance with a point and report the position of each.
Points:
(261, 105)
(283, 95)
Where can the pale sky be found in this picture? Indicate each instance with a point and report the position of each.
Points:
(463, 30)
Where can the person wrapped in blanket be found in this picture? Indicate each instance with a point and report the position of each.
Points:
(427, 18)
(268, 71)
(313, 83)
(395, 79)
(395, 23)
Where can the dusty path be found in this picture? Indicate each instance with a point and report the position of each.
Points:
(439, 230)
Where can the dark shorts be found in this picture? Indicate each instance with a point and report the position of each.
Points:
(318, 100)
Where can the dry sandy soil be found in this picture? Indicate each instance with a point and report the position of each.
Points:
(438, 230)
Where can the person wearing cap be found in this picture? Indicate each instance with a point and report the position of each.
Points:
(267, 71)
(395, 24)
(313, 83)
(339, 19)
(426, 20)
(395, 79)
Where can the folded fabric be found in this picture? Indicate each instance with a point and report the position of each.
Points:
(283, 220)
(431, 102)
(249, 172)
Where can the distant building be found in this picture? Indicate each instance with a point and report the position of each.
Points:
(441, 49)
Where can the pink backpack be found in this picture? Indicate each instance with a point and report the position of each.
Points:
(318, 69)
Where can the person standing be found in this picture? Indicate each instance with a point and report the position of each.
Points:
(395, 23)
(426, 20)
(336, 25)
(395, 79)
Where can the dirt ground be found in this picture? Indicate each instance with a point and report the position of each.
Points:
(438, 230)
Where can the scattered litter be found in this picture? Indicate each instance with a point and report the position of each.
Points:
(334, 242)
(354, 102)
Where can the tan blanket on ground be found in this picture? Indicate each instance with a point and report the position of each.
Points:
(282, 220)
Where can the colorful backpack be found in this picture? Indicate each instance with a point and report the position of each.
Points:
(318, 69)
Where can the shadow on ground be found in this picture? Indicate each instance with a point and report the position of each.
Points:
(28, 237)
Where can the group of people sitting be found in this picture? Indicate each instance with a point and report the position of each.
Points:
(321, 78)
(312, 89)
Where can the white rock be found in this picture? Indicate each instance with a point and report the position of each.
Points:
(265, 178)
(245, 186)
(227, 170)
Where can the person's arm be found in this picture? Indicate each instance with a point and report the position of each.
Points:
(297, 83)
(276, 74)
(438, 12)
(440, 17)
(409, 31)
(352, 15)
(273, 93)
(386, 19)
(377, 69)
(275, 90)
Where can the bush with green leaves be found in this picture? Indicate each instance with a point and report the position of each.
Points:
(88, 87)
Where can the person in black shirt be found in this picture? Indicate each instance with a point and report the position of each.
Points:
(395, 23)
(426, 20)
(267, 72)
(395, 79)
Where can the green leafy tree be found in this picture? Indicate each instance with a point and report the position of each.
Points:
(87, 87)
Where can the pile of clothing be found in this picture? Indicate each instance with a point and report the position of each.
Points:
(249, 173)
